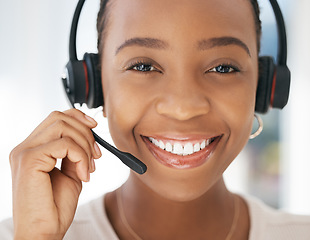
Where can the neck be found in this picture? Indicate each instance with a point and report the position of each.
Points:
(152, 216)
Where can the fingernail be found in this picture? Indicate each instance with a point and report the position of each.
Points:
(97, 149)
(90, 119)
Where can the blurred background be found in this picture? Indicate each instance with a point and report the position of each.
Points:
(34, 39)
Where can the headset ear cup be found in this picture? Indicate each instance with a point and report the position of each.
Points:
(281, 87)
(95, 95)
(74, 82)
(264, 86)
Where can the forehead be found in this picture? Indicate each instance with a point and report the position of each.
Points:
(182, 21)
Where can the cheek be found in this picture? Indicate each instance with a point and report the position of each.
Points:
(244, 112)
(238, 104)
(125, 106)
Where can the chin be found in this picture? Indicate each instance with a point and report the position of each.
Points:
(180, 191)
(183, 196)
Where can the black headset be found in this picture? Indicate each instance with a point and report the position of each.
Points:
(274, 79)
(82, 81)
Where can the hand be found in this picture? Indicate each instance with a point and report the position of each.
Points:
(44, 197)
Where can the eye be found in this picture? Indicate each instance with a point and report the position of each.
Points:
(142, 67)
(223, 68)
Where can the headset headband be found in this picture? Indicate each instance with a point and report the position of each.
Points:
(282, 42)
(73, 31)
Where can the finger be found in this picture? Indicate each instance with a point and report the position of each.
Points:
(65, 195)
(72, 116)
(68, 168)
(64, 125)
(61, 129)
(47, 154)
(82, 117)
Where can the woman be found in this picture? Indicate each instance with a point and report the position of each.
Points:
(179, 81)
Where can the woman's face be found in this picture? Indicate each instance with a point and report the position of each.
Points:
(179, 80)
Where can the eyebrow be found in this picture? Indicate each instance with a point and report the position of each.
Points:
(221, 41)
(201, 45)
(143, 42)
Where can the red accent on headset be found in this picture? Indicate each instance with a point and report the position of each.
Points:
(86, 78)
(274, 81)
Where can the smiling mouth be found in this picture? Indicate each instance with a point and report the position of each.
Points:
(181, 148)
(181, 154)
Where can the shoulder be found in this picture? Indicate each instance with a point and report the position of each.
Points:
(268, 223)
(6, 229)
(91, 222)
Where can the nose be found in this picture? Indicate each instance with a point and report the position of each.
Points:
(183, 101)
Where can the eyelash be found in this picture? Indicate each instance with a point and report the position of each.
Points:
(150, 68)
(135, 65)
(231, 69)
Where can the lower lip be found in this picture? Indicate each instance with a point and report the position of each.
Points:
(182, 162)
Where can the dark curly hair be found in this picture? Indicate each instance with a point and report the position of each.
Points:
(103, 16)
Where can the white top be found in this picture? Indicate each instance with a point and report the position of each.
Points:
(91, 223)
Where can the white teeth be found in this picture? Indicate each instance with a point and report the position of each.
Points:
(188, 149)
(154, 141)
(168, 147)
(177, 149)
(196, 147)
(203, 144)
(161, 145)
